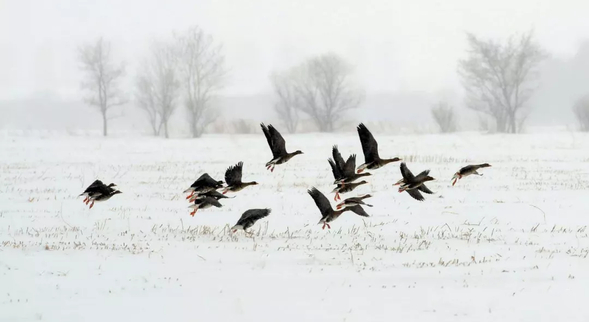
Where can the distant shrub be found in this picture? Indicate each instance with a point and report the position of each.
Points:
(242, 126)
(444, 116)
(581, 110)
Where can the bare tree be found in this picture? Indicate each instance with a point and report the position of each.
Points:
(158, 86)
(324, 89)
(581, 110)
(202, 68)
(286, 107)
(444, 116)
(102, 76)
(146, 100)
(498, 77)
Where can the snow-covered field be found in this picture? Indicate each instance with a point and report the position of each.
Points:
(511, 245)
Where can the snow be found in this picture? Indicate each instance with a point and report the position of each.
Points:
(510, 245)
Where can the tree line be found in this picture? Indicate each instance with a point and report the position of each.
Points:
(188, 69)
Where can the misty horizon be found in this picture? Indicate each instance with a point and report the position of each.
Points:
(396, 49)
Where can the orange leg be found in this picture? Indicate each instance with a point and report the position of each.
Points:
(453, 183)
(85, 199)
(193, 212)
(91, 205)
(191, 194)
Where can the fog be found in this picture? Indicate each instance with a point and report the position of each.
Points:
(404, 54)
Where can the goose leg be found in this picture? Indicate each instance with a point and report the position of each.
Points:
(324, 224)
(91, 205)
(85, 199)
(272, 170)
(193, 212)
(191, 194)
(454, 182)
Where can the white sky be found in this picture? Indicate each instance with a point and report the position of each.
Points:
(395, 45)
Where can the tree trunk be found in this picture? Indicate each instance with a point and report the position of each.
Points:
(104, 124)
(513, 123)
(166, 129)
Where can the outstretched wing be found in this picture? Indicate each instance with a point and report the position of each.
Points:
(233, 174)
(358, 210)
(369, 144)
(268, 138)
(336, 173)
(205, 180)
(253, 215)
(212, 201)
(213, 194)
(320, 200)
(350, 166)
(95, 184)
(415, 194)
(406, 173)
(425, 189)
(278, 142)
(337, 157)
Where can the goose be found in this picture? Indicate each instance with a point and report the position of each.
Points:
(344, 172)
(249, 218)
(412, 183)
(100, 194)
(468, 170)
(278, 146)
(354, 201)
(93, 188)
(327, 213)
(370, 149)
(343, 188)
(233, 179)
(213, 194)
(409, 174)
(204, 183)
(204, 203)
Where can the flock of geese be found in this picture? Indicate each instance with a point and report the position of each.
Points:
(204, 192)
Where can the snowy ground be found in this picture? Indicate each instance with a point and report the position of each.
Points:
(511, 245)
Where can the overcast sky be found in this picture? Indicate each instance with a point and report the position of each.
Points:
(394, 45)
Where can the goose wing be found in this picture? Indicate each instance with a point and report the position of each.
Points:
(350, 166)
(358, 210)
(321, 201)
(249, 217)
(415, 194)
(406, 173)
(425, 189)
(233, 174)
(337, 157)
(275, 140)
(334, 169)
(369, 144)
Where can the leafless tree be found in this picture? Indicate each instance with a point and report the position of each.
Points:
(202, 68)
(498, 77)
(146, 101)
(158, 86)
(102, 76)
(286, 107)
(325, 91)
(581, 110)
(444, 116)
